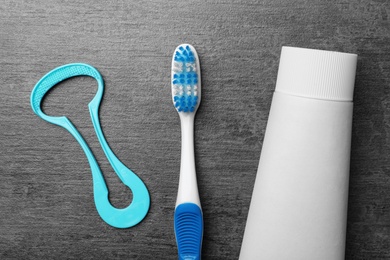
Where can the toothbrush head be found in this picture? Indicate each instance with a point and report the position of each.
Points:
(186, 84)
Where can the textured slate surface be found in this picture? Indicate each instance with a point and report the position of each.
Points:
(46, 203)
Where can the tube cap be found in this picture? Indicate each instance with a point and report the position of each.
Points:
(316, 74)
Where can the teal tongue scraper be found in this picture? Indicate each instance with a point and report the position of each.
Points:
(119, 218)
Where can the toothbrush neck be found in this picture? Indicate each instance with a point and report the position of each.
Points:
(187, 132)
(188, 190)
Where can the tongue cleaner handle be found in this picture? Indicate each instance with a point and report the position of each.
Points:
(138, 208)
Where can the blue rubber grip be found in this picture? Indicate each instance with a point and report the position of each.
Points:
(189, 231)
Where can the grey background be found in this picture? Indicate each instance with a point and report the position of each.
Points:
(46, 202)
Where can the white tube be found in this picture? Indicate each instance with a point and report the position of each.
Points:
(299, 202)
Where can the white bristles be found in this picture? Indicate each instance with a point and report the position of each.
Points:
(177, 66)
(178, 90)
(175, 89)
(190, 66)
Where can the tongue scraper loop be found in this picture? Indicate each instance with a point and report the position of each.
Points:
(119, 218)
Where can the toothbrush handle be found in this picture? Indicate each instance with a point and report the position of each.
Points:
(188, 218)
(188, 222)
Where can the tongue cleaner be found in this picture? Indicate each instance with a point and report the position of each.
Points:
(138, 208)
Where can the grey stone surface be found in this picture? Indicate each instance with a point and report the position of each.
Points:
(46, 202)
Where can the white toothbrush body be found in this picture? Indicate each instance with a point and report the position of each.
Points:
(186, 93)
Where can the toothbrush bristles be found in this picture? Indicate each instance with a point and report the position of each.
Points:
(185, 80)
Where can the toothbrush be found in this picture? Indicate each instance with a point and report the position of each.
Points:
(186, 93)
